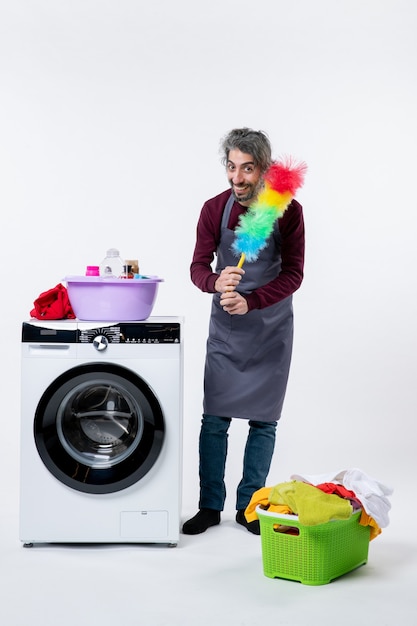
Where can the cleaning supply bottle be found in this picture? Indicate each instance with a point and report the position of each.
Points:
(135, 265)
(127, 272)
(112, 265)
(92, 270)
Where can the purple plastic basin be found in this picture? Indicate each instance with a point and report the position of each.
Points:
(94, 298)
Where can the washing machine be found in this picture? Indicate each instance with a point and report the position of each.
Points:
(101, 431)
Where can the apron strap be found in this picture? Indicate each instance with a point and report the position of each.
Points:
(227, 210)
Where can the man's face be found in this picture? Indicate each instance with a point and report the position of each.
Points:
(244, 177)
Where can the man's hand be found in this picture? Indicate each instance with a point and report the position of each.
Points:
(228, 279)
(234, 303)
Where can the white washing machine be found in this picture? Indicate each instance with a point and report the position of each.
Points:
(101, 431)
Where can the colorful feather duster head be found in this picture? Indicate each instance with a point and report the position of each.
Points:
(282, 180)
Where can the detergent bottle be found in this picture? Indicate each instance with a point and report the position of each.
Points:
(112, 265)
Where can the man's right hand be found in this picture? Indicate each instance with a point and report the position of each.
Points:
(228, 279)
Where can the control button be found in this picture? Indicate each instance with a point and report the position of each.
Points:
(100, 342)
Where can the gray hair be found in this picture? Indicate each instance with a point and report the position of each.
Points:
(253, 142)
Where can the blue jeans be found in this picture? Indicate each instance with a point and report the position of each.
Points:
(213, 452)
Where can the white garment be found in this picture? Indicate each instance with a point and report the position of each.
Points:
(370, 492)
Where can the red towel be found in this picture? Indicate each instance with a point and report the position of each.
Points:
(53, 304)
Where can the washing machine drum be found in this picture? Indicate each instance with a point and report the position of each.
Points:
(99, 428)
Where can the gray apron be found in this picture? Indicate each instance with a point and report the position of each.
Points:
(248, 356)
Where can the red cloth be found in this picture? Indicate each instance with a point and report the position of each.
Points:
(339, 490)
(53, 304)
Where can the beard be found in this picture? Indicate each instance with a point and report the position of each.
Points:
(248, 192)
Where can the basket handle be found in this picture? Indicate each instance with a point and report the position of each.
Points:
(286, 529)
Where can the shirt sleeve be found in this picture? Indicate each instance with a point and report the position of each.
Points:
(207, 240)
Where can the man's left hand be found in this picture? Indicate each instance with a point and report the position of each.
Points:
(234, 303)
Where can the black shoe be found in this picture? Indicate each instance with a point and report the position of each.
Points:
(200, 522)
(252, 527)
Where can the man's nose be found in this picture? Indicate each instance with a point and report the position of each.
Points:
(237, 177)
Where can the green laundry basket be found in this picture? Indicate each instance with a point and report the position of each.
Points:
(312, 555)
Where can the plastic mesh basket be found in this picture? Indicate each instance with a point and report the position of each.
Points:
(312, 555)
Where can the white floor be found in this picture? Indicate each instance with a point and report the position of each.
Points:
(214, 578)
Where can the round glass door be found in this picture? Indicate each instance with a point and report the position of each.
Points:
(99, 428)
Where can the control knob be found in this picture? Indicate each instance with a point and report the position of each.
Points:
(100, 342)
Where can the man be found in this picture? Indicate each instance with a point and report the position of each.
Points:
(251, 328)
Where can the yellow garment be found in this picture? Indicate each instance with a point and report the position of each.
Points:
(261, 498)
(312, 505)
(367, 520)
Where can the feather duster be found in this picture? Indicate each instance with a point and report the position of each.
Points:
(282, 180)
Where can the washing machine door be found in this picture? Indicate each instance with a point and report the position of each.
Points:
(99, 428)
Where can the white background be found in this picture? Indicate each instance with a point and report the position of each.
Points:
(111, 113)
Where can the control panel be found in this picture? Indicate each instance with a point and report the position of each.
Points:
(128, 333)
(131, 333)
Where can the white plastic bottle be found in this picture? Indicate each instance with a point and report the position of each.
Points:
(112, 265)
